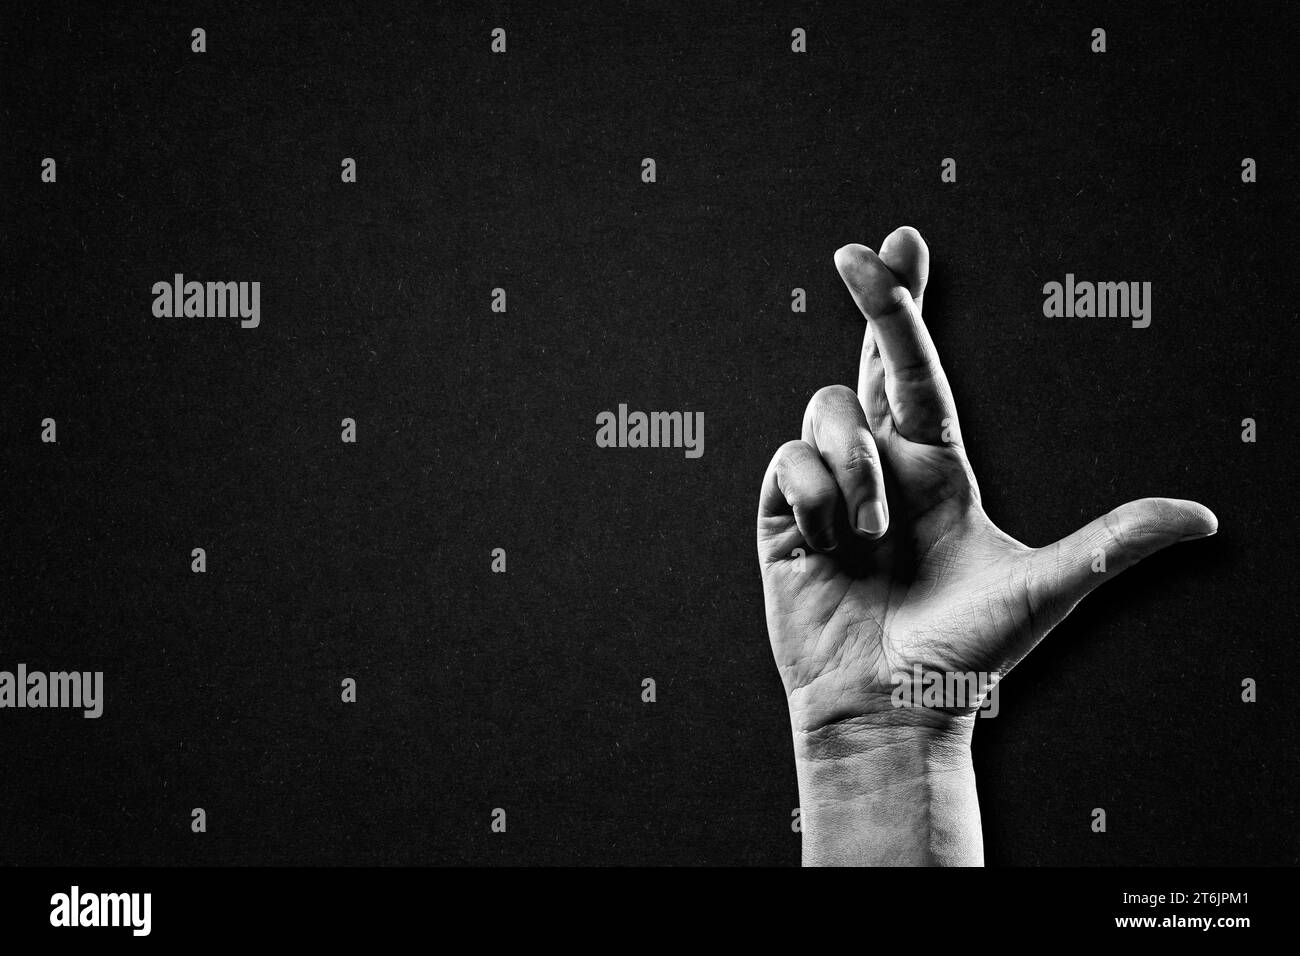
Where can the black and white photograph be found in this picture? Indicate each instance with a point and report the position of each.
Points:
(585, 437)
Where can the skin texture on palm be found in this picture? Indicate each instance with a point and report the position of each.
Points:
(878, 558)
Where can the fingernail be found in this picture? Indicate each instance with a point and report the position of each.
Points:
(871, 518)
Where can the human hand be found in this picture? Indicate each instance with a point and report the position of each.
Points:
(878, 559)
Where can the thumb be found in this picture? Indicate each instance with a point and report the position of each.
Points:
(1062, 574)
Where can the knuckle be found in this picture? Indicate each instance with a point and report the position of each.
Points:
(889, 300)
(789, 448)
(861, 458)
(789, 454)
(919, 370)
(830, 411)
(1121, 537)
(830, 394)
(825, 401)
(813, 500)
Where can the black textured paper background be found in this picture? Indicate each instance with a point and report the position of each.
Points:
(476, 430)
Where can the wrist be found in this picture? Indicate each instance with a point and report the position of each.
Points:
(876, 790)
